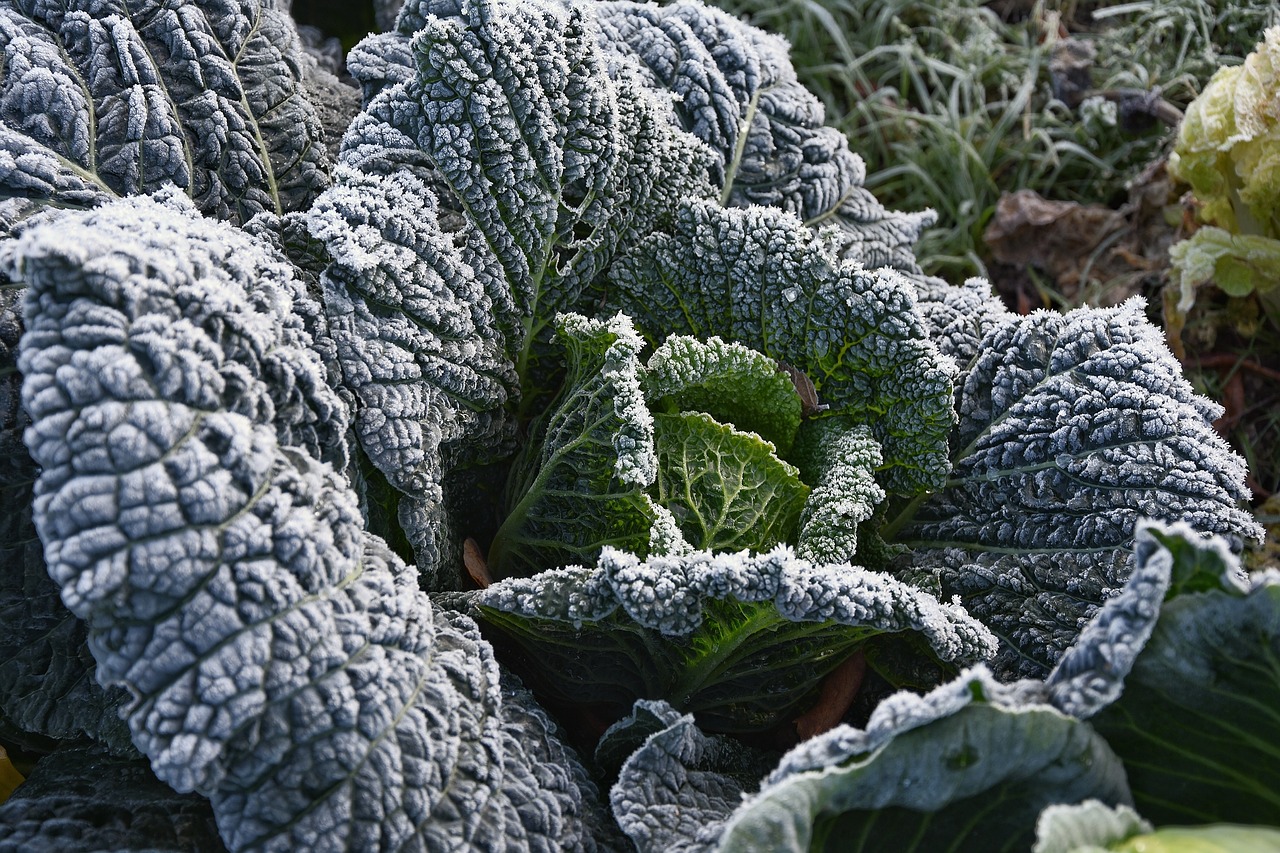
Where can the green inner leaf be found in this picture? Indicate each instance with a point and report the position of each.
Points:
(733, 383)
(726, 488)
(581, 486)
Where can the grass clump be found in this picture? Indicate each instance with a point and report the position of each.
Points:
(952, 104)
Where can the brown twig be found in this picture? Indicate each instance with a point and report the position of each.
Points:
(1224, 361)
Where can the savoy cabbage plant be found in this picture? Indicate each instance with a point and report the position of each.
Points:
(580, 461)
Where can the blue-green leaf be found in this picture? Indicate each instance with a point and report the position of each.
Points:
(1072, 427)
(1198, 723)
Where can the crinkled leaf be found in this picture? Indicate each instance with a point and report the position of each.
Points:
(959, 318)
(844, 461)
(1239, 264)
(552, 164)
(47, 684)
(1071, 428)
(740, 641)
(1091, 672)
(733, 87)
(280, 660)
(968, 766)
(726, 488)
(1197, 725)
(87, 799)
(418, 346)
(757, 276)
(677, 786)
(581, 485)
(731, 382)
(513, 169)
(101, 99)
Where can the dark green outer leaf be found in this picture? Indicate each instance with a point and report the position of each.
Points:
(81, 799)
(280, 660)
(104, 98)
(48, 686)
(1072, 427)
(1198, 724)
(678, 784)
(966, 768)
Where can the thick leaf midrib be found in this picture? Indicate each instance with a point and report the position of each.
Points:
(264, 152)
(163, 84)
(739, 147)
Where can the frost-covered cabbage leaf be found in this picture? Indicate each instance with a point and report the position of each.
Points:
(845, 492)
(97, 99)
(479, 197)
(1072, 427)
(733, 87)
(758, 277)
(549, 165)
(702, 777)
(726, 488)
(87, 799)
(417, 347)
(1090, 674)
(594, 459)
(1196, 724)
(1092, 827)
(741, 641)
(959, 318)
(281, 661)
(47, 685)
(968, 766)
(619, 462)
